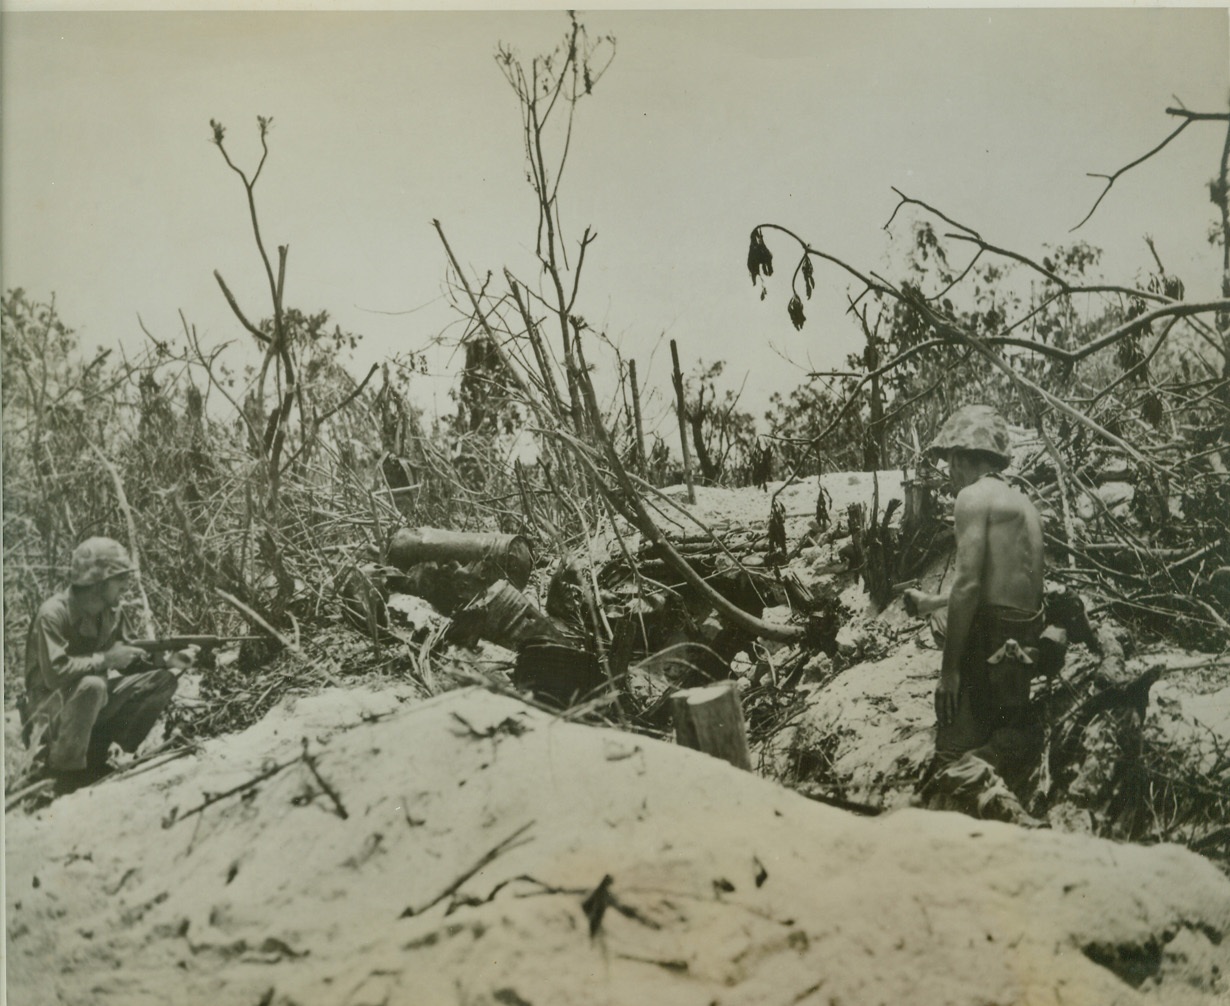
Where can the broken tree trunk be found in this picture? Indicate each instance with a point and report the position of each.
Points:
(682, 409)
(710, 719)
(636, 417)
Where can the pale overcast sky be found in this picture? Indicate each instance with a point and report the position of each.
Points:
(707, 123)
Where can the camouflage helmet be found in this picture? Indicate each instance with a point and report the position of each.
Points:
(974, 428)
(99, 559)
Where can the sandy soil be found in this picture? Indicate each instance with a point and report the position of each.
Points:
(725, 887)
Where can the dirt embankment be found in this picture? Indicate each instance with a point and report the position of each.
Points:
(469, 849)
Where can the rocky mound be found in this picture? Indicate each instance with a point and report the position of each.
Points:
(359, 849)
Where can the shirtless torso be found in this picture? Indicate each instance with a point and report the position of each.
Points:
(999, 546)
(999, 563)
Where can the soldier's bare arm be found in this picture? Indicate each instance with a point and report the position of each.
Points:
(919, 602)
(970, 519)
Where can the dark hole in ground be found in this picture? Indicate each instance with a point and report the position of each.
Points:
(1132, 962)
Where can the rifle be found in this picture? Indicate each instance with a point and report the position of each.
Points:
(171, 644)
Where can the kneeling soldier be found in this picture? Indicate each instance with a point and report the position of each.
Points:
(78, 696)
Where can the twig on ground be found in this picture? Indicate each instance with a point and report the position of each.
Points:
(487, 857)
(211, 798)
(13, 799)
(310, 761)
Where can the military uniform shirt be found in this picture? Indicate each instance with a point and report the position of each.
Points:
(66, 643)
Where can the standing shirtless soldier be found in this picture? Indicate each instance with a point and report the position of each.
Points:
(994, 607)
(79, 700)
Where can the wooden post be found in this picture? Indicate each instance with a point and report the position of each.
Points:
(636, 418)
(681, 409)
(710, 719)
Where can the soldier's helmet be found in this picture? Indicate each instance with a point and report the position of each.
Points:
(974, 428)
(99, 559)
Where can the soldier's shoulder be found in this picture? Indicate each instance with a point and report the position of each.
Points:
(56, 606)
(1011, 498)
(981, 489)
(975, 497)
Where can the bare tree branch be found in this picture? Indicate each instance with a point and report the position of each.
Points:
(1183, 113)
(230, 299)
(911, 201)
(320, 420)
(586, 239)
(1187, 117)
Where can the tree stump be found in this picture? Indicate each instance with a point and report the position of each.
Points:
(710, 719)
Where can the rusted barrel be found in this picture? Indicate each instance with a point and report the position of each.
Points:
(510, 553)
(503, 615)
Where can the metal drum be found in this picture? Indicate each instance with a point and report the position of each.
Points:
(509, 553)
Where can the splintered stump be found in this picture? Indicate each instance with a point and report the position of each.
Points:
(710, 719)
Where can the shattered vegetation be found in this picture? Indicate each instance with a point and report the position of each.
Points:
(378, 554)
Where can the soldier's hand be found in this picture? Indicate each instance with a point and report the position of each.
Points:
(120, 655)
(946, 697)
(910, 599)
(181, 660)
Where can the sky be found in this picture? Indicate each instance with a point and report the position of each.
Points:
(707, 124)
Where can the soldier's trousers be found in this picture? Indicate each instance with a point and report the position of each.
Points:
(993, 705)
(81, 722)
